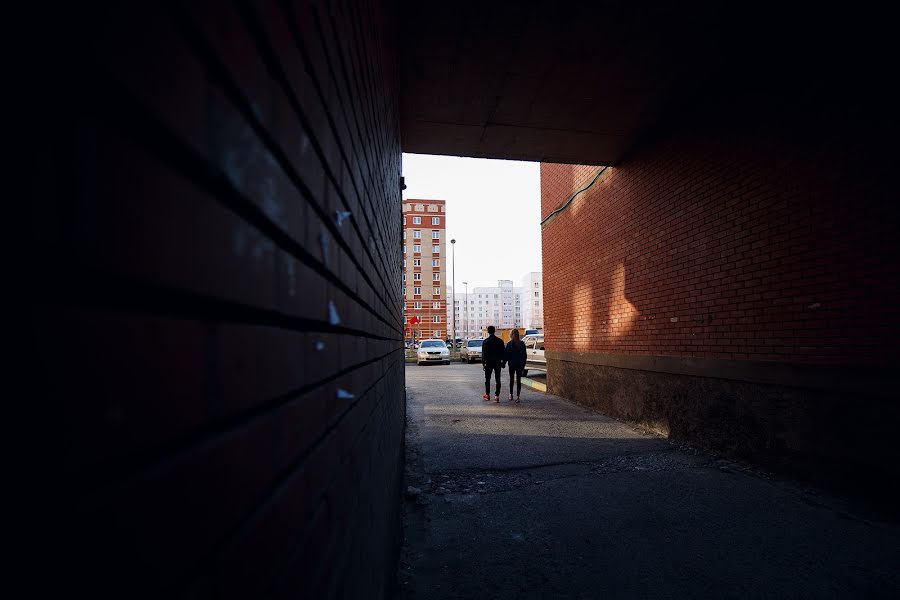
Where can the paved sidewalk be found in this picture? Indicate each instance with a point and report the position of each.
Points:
(547, 500)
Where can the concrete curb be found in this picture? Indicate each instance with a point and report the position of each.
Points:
(540, 387)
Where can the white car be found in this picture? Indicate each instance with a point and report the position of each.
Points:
(534, 353)
(471, 351)
(433, 351)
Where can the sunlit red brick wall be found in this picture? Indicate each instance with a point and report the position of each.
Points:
(726, 243)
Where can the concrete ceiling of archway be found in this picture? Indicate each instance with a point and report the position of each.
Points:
(576, 82)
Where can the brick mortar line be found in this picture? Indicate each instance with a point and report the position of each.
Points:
(125, 294)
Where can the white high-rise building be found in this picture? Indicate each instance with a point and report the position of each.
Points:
(500, 306)
(533, 300)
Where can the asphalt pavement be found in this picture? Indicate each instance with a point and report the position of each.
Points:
(545, 499)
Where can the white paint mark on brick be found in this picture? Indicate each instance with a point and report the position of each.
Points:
(341, 215)
(333, 317)
(673, 320)
(814, 305)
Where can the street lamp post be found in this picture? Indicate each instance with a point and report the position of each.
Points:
(453, 296)
(502, 316)
(466, 311)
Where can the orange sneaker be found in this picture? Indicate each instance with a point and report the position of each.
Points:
(485, 396)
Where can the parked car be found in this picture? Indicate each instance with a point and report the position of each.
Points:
(531, 332)
(471, 351)
(433, 351)
(534, 353)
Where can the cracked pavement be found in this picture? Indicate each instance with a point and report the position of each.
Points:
(548, 500)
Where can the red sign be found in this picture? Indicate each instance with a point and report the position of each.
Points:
(414, 320)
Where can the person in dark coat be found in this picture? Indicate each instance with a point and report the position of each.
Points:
(492, 355)
(515, 357)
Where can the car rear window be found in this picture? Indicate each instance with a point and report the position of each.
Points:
(433, 344)
(475, 343)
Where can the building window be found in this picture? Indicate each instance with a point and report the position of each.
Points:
(417, 305)
(404, 249)
(404, 234)
(417, 276)
(437, 291)
(404, 263)
(417, 234)
(536, 294)
(404, 277)
(436, 305)
(436, 249)
(435, 220)
(535, 284)
(436, 319)
(417, 262)
(417, 248)
(435, 235)
(417, 291)
(435, 276)
(435, 262)
(436, 333)
(417, 220)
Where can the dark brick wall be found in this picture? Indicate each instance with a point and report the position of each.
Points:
(219, 317)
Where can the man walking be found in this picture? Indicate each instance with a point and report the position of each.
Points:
(492, 359)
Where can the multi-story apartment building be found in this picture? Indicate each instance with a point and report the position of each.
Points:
(500, 306)
(424, 284)
(533, 300)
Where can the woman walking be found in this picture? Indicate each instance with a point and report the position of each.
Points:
(515, 357)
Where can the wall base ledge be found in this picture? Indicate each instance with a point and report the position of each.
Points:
(871, 381)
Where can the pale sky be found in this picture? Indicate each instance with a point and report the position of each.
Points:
(493, 211)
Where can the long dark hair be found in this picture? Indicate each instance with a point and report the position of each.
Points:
(514, 337)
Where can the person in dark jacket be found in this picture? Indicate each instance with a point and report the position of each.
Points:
(492, 355)
(515, 357)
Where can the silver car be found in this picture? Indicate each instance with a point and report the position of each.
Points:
(534, 353)
(471, 351)
(433, 351)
